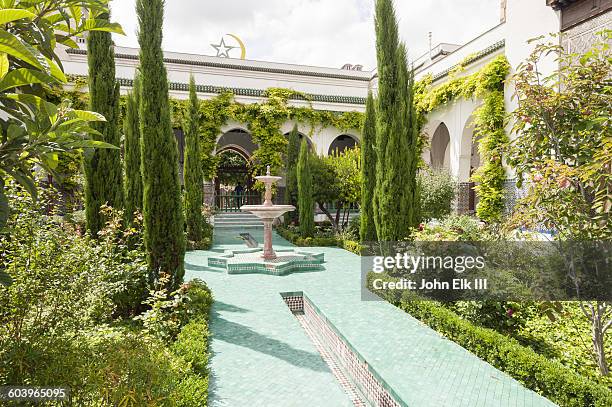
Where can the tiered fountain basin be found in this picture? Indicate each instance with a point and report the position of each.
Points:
(251, 261)
(267, 261)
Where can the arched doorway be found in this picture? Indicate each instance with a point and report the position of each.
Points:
(234, 181)
(302, 137)
(440, 148)
(342, 143)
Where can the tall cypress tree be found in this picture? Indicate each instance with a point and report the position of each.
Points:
(305, 190)
(368, 172)
(194, 177)
(131, 161)
(293, 153)
(163, 215)
(396, 196)
(103, 172)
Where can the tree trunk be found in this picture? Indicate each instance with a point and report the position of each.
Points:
(329, 216)
(597, 331)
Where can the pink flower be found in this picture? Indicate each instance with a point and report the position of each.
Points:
(510, 312)
(537, 177)
(421, 227)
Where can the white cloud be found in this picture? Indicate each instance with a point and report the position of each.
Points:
(310, 32)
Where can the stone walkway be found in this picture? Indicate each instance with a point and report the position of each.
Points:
(263, 357)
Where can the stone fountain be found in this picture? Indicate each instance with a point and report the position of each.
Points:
(268, 212)
(267, 261)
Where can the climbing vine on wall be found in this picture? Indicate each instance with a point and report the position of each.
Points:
(488, 84)
(263, 120)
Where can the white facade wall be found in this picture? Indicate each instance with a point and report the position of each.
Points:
(347, 89)
(524, 19)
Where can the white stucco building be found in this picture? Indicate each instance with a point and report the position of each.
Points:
(449, 127)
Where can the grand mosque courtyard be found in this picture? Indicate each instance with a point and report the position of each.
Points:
(308, 339)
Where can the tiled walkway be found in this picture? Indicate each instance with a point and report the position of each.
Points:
(263, 357)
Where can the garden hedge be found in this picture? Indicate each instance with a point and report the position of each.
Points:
(547, 377)
(321, 241)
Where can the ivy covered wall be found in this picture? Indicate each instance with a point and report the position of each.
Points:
(489, 126)
(263, 120)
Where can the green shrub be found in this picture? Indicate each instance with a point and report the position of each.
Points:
(453, 228)
(192, 345)
(354, 227)
(192, 391)
(352, 246)
(168, 312)
(549, 378)
(128, 368)
(61, 283)
(437, 192)
(61, 316)
(502, 316)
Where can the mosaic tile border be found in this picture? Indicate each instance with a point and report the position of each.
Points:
(368, 384)
(239, 262)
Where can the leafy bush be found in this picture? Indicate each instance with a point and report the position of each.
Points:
(127, 368)
(437, 191)
(169, 311)
(322, 238)
(503, 316)
(61, 315)
(453, 228)
(547, 377)
(60, 283)
(353, 228)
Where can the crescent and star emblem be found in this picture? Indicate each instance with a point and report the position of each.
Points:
(223, 49)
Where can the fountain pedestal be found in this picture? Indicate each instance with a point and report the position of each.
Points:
(268, 251)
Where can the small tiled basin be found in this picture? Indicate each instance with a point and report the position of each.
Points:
(250, 261)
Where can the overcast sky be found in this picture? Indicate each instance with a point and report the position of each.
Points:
(310, 32)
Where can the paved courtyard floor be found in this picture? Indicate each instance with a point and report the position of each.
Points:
(261, 356)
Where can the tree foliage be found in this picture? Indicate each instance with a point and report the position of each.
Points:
(396, 199)
(193, 175)
(305, 201)
(291, 159)
(35, 131)
(103, 173)
(563, 146)
(437, 191)
(368, 172)
(163, 214)
(132, 163)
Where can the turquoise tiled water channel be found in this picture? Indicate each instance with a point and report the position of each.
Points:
(262, 356)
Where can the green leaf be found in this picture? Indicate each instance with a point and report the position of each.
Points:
(4, 64)
(91, 144)
(13, 46)
(22, 77)
(33, 100)
(10, 15)
(102, 25)
(50, 160)
(76, 13)
(87, 116)
(15, 131)
(67, 41)
(56, 71)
